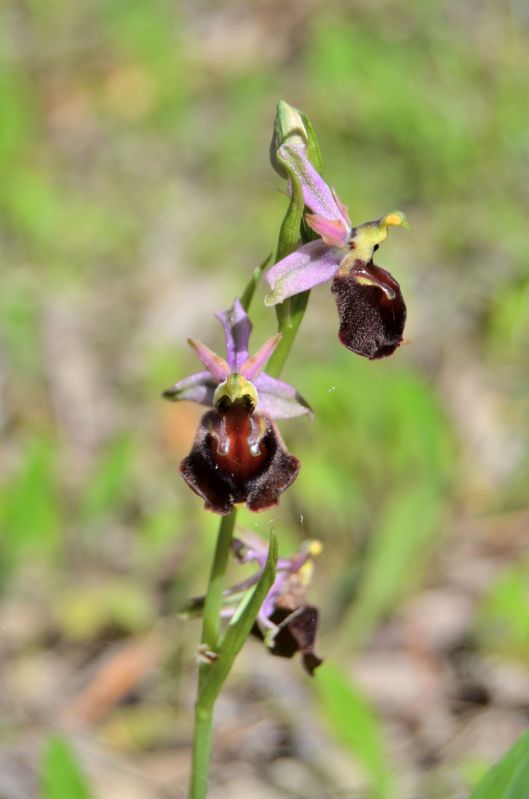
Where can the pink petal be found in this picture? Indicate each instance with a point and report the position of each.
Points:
(278, 399)
(343, 208)
(199, 387)
(216, 365)
(316, 193)
(252, 366)
(310, 265)
(333, 231)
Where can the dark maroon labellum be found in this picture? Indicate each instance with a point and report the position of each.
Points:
(372, 313)
(238, 456)
(296, 633)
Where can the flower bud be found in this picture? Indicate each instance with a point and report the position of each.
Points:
(294, 127)
(288, 125)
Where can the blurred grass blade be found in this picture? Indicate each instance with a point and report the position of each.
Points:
(409, 522)
(509, 778)
(108, 482)
(240, 626)
(355, 723)
(61, 775)
(519, 785)
(29, 509)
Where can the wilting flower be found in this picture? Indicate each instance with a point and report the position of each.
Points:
(370, 304)
(285, 622)
(238, 455)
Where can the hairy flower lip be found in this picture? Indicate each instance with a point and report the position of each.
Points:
(296, 632)
(253, 467)
(372, 313)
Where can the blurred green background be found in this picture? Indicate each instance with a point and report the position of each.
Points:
(136, 197)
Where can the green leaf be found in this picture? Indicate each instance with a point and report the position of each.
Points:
(509, 778)
(239, 628)
(519, 785)
(313, 146)
(355, 723)
(61, 775)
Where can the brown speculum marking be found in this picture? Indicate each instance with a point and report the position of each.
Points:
(238, 446)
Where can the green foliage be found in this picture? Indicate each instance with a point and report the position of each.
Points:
(18, 110)
(386, 426)
(509, 324)
(61, 776)
(133, 151)
(502, 623)
(383, 474)
(109, 481)
(355, 724)
(19, 331)
(508, 779)
(85, 612)
(30, 516)
(409, 524)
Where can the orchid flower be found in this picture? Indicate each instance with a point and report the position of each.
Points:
(370, 304)
(238, 455)
(285, 622)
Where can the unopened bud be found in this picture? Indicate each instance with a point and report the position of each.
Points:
(288, 126)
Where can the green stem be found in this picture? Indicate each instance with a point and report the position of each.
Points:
(289, 313)
(213, 601)
(210, 634)
(201, 751)
(288, 325)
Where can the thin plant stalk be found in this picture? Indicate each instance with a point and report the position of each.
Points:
(210, 632)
